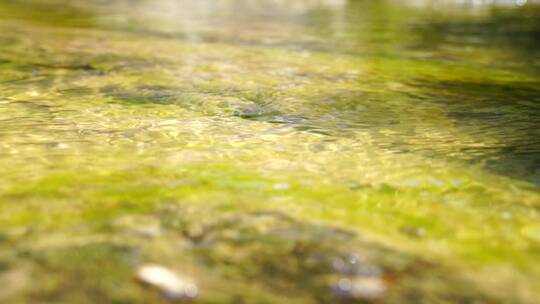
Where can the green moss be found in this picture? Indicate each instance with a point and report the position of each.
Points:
(253, 164)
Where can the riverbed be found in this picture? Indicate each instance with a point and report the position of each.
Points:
(270, 151)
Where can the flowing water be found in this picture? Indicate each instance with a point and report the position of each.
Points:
(272, 151)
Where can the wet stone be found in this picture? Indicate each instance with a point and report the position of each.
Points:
(414, 231)
(370, 288)
(255, 113)
(331, 264)
(148, 94)
(76, 91)
(69, 66)
(464, 105)
(356, 266)
(57, 145)
(281, 186)
(170, 284)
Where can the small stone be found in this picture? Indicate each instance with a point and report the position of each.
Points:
(355, 266)
(282, 186)
(506, 215)
(360, 288)
(413, 231)
(57, 145)
(171, 285)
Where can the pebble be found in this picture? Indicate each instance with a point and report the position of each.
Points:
(506, 215)
(413, 231)
(360, 288)
(171, 285)
(356, 266)
(282, 186)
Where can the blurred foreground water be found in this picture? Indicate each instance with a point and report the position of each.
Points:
(265, 151)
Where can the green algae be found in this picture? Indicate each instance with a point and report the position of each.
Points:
(253, 159)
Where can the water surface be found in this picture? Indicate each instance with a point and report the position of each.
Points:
(273, 151)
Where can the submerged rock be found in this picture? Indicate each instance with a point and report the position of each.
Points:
(256, 112)
(413, 231)
(170, 284)
(324, 263)
(141, 95)
(360, 288)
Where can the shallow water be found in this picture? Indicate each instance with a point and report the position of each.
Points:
(273, 151)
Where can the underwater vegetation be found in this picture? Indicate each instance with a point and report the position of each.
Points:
(269, 152)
